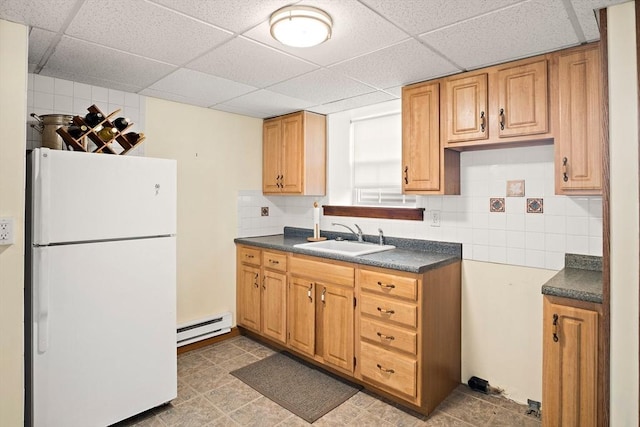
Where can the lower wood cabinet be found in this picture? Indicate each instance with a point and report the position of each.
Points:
(321, 310)
(570, 386)
(394, 332)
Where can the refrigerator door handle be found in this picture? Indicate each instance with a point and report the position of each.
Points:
(42, 191)
(42, 314)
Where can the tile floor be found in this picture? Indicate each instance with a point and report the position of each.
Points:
(208, 396)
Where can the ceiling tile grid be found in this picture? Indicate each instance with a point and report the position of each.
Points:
(220, 54)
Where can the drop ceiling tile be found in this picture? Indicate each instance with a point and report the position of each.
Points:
(522, 30)
(586, 16)
(416, 17)
(395, 91)
(39, 41)
(145, 29)
(89, 63)
(268, 102)
(246, 61)
(351, 103)
(200, 86)
(412, 62)
(321, 86)
(89, 80)
(241, 111)
(46, 14)
(174, 97)
(233, 15)
(356, 30)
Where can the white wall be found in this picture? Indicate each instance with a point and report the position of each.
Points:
(13, 106)
(623, 125)
(218, 154)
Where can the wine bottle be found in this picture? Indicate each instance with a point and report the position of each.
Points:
(77, 131)
(133, 137)
(121, 123)
(107, 133)
(92, 119)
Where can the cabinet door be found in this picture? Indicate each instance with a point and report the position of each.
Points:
(465, 108)
(421, 138)
(522, 100)
(271, 156)
(292, 143)
(249, 297)
(577, 142)
(274, 297)
(301, 315)
(570, 366)
(337, 326)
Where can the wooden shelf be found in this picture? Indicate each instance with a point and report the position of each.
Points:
(108, 147)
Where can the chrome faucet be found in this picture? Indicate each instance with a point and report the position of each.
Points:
(359, 234)
(380, 237)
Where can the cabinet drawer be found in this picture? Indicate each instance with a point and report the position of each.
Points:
(389, 310)
(274, 260)
(386, 368)
(389, 336)
(249, 255)
(388, 284)
(324, 271)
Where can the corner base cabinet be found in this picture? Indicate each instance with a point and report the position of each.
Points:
(394, 332)
(570, 385)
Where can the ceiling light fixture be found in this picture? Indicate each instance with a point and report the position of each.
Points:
(300, 26)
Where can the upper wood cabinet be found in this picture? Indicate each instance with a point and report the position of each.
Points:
(294, 154)
(496, 105)
(423, 159)
(578, 124)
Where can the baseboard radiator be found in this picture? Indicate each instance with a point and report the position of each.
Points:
(204, 328)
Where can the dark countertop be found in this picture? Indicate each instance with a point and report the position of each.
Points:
(411, 255)
(581, 279)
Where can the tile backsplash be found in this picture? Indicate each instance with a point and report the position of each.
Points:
(538, 238)
(48, 95)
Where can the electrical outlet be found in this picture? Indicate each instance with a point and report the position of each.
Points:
(264, 211)
(6, 231)
(435, 218)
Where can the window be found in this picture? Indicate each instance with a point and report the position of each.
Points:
(377, 158)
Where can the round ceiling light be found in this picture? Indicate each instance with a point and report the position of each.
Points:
(300, 26)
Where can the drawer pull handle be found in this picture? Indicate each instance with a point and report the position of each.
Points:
(386, 337)
(386, 286)
(555, 328)
(249, 256)
(309, 292)
(501, 118)
(273, 261)
(255, 281)
(386, 371)
(385, 311)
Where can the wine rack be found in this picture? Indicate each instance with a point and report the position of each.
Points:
(108, 147)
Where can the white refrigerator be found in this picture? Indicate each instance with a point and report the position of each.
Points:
(100, 291)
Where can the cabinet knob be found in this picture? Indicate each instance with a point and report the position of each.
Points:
(483, 121)
(501, 118)
(565, 177)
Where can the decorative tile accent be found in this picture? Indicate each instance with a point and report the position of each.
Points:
(534, 205)
(515, 188)
(496, 204)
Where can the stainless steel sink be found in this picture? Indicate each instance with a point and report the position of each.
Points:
(344, 247)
